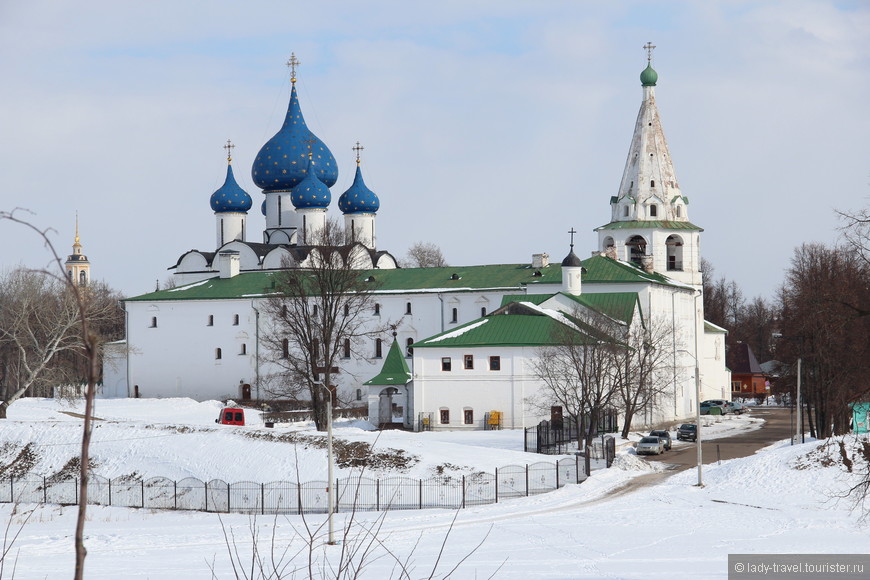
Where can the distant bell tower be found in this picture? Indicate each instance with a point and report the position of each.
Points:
(649, 223)
(78, 268)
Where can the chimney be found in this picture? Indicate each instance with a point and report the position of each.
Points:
(647, 263)
(540, 260)
(228, 263)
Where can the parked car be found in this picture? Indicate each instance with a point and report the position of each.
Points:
(231, 416)
(650, 446)
(722, 404)
(738, 408)
(688, 431)
(665, 436)
(708, 409)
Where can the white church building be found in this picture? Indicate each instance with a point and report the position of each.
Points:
(465, 336)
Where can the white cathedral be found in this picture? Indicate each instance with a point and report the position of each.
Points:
(466, 337)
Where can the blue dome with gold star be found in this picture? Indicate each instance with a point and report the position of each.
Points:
(358, 198)
(311, 192)
(282, 162)
(230, 197)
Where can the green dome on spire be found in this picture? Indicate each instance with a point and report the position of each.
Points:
(649, 76)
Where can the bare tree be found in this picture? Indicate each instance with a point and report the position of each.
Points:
(644, 369)
(90, 344)
(578, 372)
(320, 312)
(856, 230)
(424, 255)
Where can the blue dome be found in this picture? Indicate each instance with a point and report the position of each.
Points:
(230, 197)
(263, 207)
(311, 192)
(282, 162)
(358, 198)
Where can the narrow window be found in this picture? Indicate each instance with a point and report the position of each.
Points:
(483, 310)
(652, 182)
(217, 354)
(222, 231)
(284, 311)
(153, 322)
(379, 345)
(408, 308)
(445, 363)
(625, 211)
(346, 349)
(653, 211)
(454, 315)
(244, 349)
(495, 363)
(235, 319)
(445, 416)
(359, 394)
(469, 361)
(468, 416)
(315, 310)
(679, 211)
(377, 309)
(279, 210)
(210, 320)
(285, 348)
(315, 349)
(347, 310)
(409, 347)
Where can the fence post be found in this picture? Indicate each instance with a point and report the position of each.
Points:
(110, 491)
(44, 490)
(206, 496)
(299, 495)
(335, 503)
(527, 480)
(262, 499)
(12, 490)
(496, 485)
(463, 492)
(588, 462)
(577, 467)
(175, 494)
(228, 497)
(421, 493)
(76, 483)
(557, 474)
(378, 494)
(142, 485)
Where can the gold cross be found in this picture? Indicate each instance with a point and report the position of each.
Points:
(649, 46)
(311, 141)
(293, 63)
(229, 147)
(357, 148)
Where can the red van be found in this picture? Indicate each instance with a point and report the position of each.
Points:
(231, 416)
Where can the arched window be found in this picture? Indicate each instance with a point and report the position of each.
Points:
(674, 245)
(483, 310)
(409, 347)
(379, 348)
(285, 348)
(347, 310)
(217, 354)
(315, 349)
(346, 348)
(679, 211)
(153, 322)
(235, 319)
(408, 308)
(244, 349)
(210, 320)
(83, 278)
(454, 314)
(636, 249)
(377, 309)
(652, 182)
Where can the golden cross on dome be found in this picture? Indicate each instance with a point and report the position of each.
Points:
(293, 63)
(311, 141)
(229, 147)
(357, 148)
(572, 231)
(649, 46)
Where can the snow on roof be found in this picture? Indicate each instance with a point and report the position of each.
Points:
(459, 331)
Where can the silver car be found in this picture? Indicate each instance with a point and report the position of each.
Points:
(650, 446)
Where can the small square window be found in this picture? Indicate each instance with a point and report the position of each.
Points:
(445, 416)
(495, 363)
(446, 364)
(469, 361)
(468, 416)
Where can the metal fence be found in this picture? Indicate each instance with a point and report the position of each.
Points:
(283, 497)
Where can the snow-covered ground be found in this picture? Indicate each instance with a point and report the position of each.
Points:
(782, 500)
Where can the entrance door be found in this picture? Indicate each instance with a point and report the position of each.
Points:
(246, 392)
(385, 405)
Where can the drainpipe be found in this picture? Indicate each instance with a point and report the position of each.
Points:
(127, 345)
(441, 298)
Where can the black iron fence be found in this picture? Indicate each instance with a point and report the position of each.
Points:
(359, 493)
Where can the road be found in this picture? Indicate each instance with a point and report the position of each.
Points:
(777, 426)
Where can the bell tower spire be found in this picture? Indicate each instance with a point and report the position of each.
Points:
(649, 214)
(78, 268)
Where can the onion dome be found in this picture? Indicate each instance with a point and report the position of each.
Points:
(649, 76)
(282, 162)
(358, 198)
(230, 197)
(571, 260)
(311, 192)
(263, 207)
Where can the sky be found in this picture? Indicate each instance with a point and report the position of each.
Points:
(781, 500)
(490, 128)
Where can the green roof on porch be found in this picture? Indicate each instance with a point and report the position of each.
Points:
(395, 370)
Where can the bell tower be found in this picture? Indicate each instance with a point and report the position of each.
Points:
(78, 268)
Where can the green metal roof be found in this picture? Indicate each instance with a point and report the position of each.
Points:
(500, 330)
(710, 327)
(533, 298)
(599, 269)
(645, 225)
(447, 279)
(617, 305)
(395, 370)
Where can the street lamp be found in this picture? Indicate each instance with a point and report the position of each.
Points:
(697, 410)
(799, 420)
(329, 475)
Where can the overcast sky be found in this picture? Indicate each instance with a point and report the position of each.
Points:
(490, 128)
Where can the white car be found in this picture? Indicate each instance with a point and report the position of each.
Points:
(650, 446)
